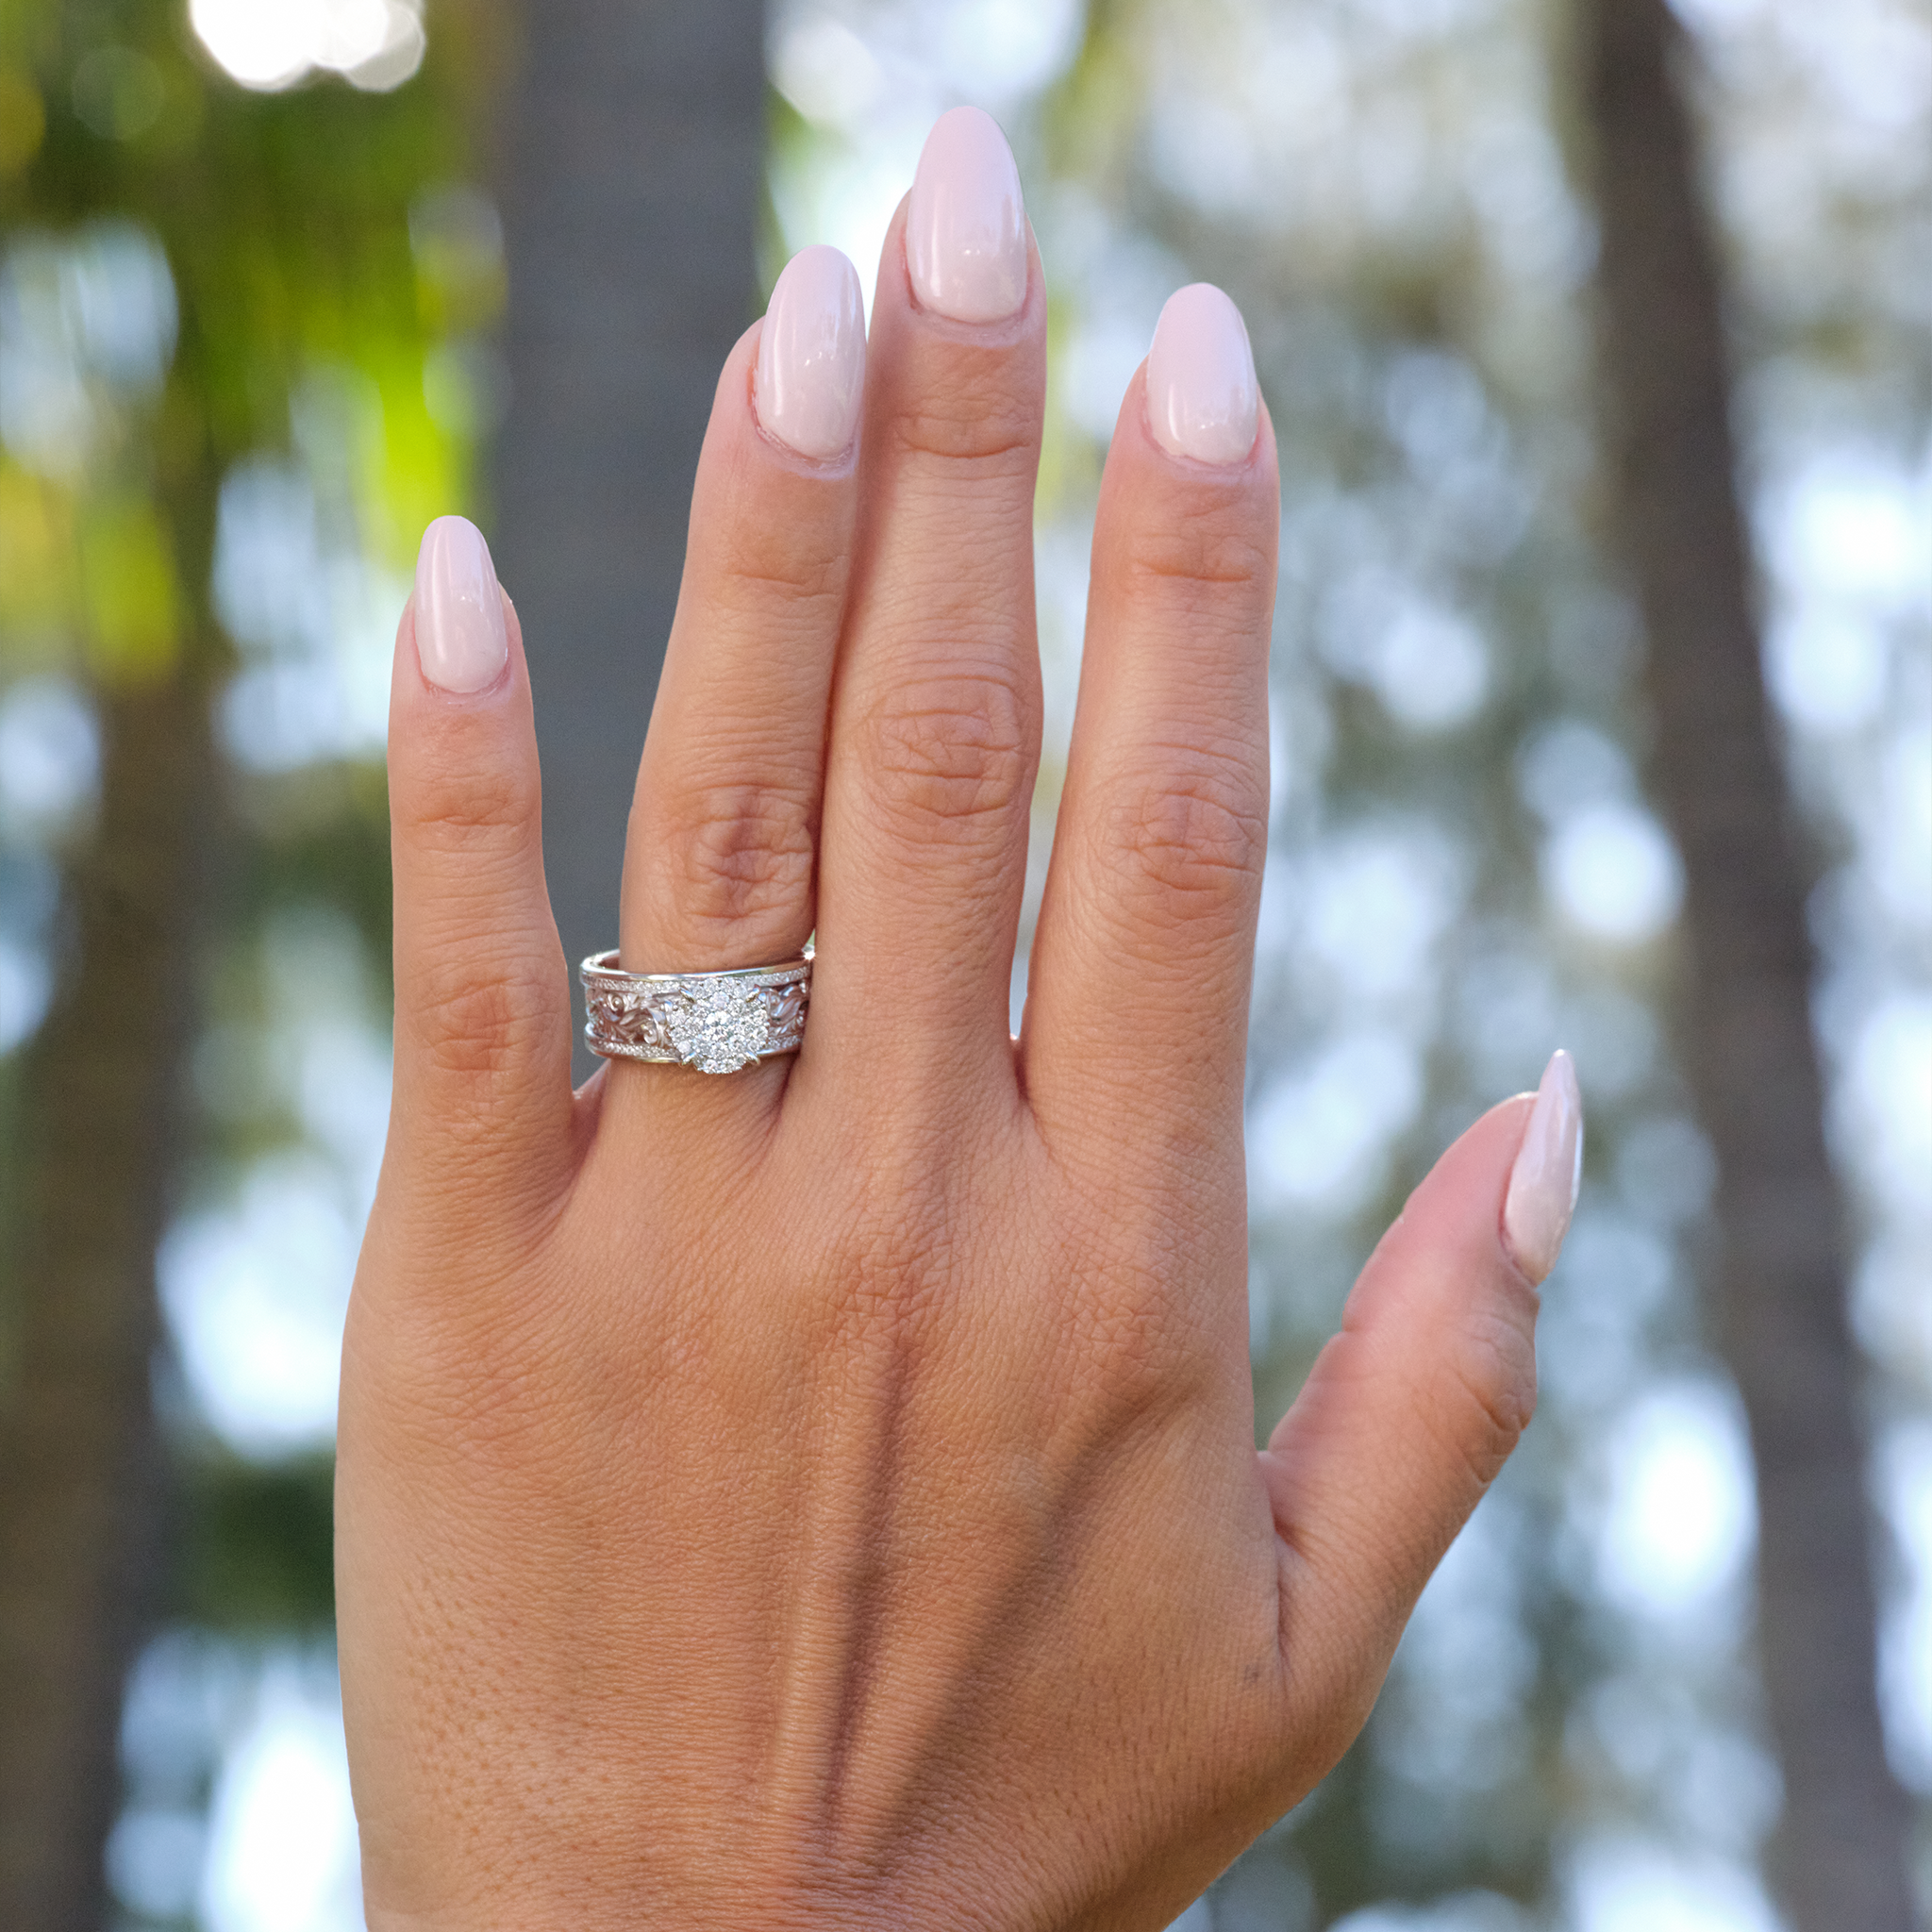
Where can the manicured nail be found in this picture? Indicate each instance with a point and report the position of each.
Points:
(1202, 401)
(811, 355)
(966, 227)
(461, 641)
(1548, 1171)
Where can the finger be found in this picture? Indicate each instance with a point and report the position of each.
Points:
(1412, 1409)
(719, 864)
(936, 724)
(482, 1028)
(1138, 981)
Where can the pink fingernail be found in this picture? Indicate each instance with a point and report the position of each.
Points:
(1549, 1171)
(461, 641)
(1202, 400)
(810, 371)
(966, 227)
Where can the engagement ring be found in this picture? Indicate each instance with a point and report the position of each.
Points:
(715, 1022)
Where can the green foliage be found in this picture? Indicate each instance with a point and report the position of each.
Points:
(315, 273)
(251, 1550)
(286, 224)
(130, 597)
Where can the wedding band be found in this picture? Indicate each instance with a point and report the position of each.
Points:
(715, 1022)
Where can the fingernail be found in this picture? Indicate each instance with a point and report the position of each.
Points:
(811, 355)
(1548, 1171)
(461, 641)
(1202, 401)
(966, 227)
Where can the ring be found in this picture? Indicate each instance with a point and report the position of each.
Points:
(715, 1022)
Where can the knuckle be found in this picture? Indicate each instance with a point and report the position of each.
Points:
(493, 806)
(954, 754)
(468, 1362)
(975, 422)
(477, 1025)
(1492, 1363)
(1139, 1342)
(876, 1278)
(1214, 545)
(763, 565)
(736, 851)
(1136, 1345)
(1139, 1367)
(1198, 837)
(893, 1236)
(898, 1275)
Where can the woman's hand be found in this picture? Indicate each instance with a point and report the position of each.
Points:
(827, 1494)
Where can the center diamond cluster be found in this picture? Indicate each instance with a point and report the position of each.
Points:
(717, 1029)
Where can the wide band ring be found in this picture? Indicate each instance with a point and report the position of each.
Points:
(715, 1022)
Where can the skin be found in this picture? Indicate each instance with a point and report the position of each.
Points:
(827, 1495)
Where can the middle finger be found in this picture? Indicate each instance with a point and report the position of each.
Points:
(936, 717)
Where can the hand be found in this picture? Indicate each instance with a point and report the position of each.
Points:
(827, 1494)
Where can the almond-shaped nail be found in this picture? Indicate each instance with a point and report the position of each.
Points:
(1202, 399)
(966, 226)
(463, 642)
(810, 372)
(1548, 1171)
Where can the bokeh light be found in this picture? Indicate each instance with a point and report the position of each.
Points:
(271, 45)
(1465, 864)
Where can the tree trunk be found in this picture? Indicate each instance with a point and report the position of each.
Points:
(631, 175)
(1840, 1859)
(79, 1475)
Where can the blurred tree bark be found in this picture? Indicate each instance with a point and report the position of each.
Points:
(1840, 1859)
(631, 176)
(79, 1467)
(633, 185)
(284, 221)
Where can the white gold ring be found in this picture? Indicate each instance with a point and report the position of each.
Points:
(715, 1022)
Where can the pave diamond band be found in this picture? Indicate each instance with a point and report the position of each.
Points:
(715, 1022)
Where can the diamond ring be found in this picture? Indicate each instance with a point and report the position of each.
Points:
(715, 1022)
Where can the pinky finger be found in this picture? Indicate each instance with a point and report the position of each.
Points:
(482, 1105)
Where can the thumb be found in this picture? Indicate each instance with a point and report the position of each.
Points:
(1411, 1410)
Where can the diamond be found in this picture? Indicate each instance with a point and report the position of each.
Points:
(717, 1029)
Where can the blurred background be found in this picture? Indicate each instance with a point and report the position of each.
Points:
(1599, 341)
